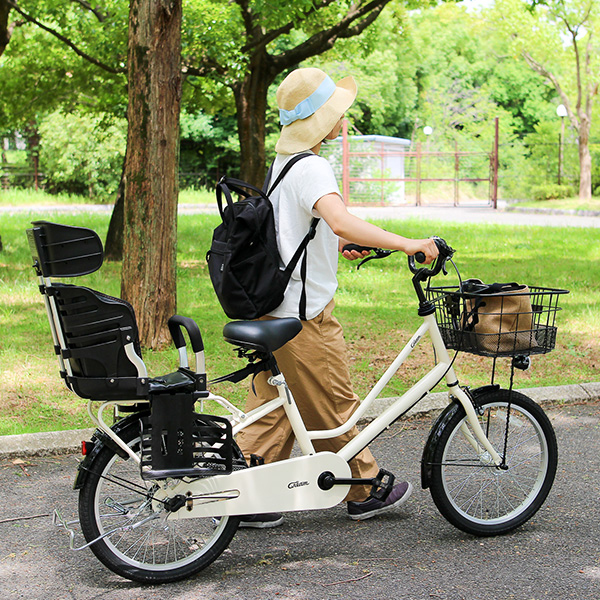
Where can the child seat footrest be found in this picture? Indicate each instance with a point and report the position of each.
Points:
(178, 442)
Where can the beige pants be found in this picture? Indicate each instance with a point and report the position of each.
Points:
(315, 367)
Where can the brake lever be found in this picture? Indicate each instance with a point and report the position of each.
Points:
(379, 253)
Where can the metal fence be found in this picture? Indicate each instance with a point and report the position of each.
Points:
(377, 170)
(544, 170)
(12, 176)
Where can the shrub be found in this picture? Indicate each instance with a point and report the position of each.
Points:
(551, 191)
(82, 154)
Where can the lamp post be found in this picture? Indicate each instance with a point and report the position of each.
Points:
(561, 111)
(427, 130)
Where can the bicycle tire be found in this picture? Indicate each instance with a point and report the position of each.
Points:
(470, 491)
(161, 550)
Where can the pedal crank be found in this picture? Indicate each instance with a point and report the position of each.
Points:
(381, 485)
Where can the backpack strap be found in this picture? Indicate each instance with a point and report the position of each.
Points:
(288, 165)
(302, 248)
(302, 251)
(230, 184)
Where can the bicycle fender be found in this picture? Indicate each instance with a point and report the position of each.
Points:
(478, 394)
(432, 441)
(101, 440)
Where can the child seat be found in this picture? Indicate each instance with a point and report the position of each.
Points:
(95, 335)
(97, 343)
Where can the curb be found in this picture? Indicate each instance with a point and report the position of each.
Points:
(551, 211)
(62, 442)
(584, 392)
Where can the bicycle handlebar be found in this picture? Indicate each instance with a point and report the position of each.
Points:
(439, 264)
(445, 253)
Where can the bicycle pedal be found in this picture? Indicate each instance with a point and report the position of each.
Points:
(383, 484)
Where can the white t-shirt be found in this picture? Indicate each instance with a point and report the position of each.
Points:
(293, 200)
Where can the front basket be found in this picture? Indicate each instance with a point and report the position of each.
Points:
(504, 325)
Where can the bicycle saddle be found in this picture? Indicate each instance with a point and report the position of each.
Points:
(264, 336)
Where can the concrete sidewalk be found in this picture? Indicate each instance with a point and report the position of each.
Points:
(60, 442)
(481, 214)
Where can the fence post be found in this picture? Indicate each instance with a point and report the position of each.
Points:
(456, 173)
(382, 167)
(418, 173)
(561, 139)
(345, 163)
(495, 166)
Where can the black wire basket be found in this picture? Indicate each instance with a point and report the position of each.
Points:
(512, 323)
(178, 442)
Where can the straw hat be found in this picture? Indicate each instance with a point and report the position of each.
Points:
(310, 104)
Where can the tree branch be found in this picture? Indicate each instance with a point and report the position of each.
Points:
(65, 40)
(325, 40)
(539, 68)
(100, 16)
(269, 36)
(5, 29)
(206, 67)
(246, 15)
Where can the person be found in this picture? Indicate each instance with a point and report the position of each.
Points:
(314, 363)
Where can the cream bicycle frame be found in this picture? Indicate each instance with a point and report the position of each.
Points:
(443, 368)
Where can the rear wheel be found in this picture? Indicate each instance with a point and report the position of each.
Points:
(142, 542)
(474, 494)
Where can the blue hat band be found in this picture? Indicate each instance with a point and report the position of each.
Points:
(310, 105)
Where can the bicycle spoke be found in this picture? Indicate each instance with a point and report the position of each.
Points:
(481, 493)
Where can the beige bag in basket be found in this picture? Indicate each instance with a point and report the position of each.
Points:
(500, 318)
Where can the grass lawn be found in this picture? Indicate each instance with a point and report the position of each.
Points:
(18, 197)
(376, 306)
(562, 204)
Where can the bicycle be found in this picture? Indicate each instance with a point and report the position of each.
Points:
(161, 491)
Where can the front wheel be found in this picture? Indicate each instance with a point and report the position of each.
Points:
(138, 540)
(467, 487)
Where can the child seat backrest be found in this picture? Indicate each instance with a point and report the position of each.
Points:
(95, 335)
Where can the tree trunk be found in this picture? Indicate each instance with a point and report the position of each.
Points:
(585, 159)
(4, 27)
(113, 248)
(251, 103)
(148, 279)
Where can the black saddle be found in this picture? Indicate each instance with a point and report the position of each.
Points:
(264, 336)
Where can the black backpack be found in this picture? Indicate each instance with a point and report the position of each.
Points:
(243, 260)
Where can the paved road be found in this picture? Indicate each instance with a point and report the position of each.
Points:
(466, 214)
(413, 554)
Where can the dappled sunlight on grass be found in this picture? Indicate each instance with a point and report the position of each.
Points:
(376, 306)
(17, 197)
(34, 398)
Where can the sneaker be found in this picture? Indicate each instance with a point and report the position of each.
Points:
(372, 507)
(264, 521)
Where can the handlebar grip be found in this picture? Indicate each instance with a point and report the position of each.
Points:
(351, 247)
(445, 253)
(176, 322)
(420, 257)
